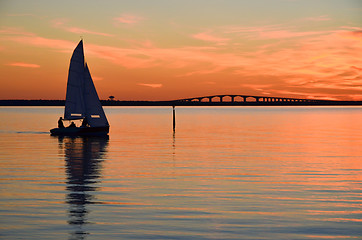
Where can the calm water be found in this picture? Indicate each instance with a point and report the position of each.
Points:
(227, 173)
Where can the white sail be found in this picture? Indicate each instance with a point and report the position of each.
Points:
(82, 99)
(74, 102)
(93, 108)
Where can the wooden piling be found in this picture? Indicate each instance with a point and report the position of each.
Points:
(173, 119)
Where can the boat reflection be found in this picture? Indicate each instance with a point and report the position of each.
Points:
(83, 158)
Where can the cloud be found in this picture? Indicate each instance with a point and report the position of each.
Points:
(128, 19)
(152, 85)
(356, 68)
(252, 29)
(25, 65)
(61, 23)
(352, 28)
(320, 64)
(269, 32)
(287, 34)
(35, 40)
(205, 36)
(318, 19)
(353, 34)
(85, 31)
(15, 31)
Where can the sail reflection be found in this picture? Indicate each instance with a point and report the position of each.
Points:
(83, 158)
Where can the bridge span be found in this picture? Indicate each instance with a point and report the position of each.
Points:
(227, 98)
(214, 100)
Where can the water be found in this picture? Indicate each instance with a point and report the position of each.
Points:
(226, 173)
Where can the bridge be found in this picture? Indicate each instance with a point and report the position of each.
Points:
(213, 100)
(244, 99)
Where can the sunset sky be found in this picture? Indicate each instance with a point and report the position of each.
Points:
(171, 49)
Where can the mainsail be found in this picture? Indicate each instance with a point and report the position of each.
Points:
(82, 99)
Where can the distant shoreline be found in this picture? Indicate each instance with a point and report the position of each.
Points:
(179, 103)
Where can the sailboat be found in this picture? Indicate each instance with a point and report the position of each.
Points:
(82, 101)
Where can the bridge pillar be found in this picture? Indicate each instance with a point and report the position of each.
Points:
(244, 98)
(221, 97)
(232, 98)
(210, 99)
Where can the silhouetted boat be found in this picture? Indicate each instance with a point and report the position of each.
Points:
(82, 101)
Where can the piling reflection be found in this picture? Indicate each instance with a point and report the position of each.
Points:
(83, 158)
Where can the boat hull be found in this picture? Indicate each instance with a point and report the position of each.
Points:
(80, 131)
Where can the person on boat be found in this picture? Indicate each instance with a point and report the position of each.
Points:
(72, 125)
(60, 123)
(85, 122)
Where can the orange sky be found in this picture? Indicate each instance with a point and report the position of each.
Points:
(164, 50)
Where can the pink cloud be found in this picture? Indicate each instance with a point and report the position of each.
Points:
(353, 34)
(41, 42)
(356, 68)
(252, 29)
(268, 32)
(352, 28)
(318, 19)
(205, 36)
(15, 31)
(152, 85)
(85, 31)
(321, 63)
(286, 34)
(61, 23)
(25, 65)
(128, 19)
